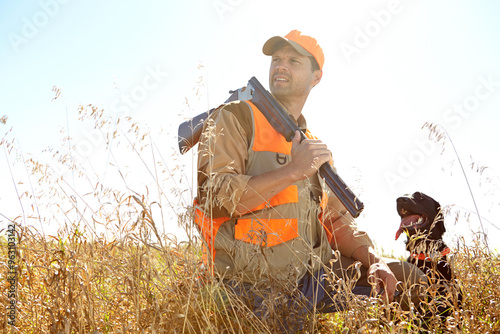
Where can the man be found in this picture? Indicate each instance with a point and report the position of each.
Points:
(262, 208)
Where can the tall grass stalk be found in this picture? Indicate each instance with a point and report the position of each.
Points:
(436, 132)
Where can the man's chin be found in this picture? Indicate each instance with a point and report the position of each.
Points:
(279, 91)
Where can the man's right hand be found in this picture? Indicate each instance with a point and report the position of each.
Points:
(308, 156)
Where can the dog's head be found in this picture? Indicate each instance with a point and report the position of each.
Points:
(420, 214)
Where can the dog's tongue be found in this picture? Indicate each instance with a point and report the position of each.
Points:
(406, 222)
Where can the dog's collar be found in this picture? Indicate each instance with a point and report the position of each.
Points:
(423, 256)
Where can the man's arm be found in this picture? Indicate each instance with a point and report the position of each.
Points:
(350, 242)
(307, 157)
(223, 183)
(222, 153)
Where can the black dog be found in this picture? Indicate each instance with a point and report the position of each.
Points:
(423, 222)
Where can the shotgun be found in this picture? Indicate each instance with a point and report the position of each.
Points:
(190, 132)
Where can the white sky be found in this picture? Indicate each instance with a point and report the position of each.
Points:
(390, 67)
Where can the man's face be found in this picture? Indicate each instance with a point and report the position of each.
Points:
(291, 74)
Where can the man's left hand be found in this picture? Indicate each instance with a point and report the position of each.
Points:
(382, 278)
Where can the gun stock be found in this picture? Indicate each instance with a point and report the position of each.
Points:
(189, 131)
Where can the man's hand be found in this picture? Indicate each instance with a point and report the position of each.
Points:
(308, 156)
(382, 278)
(379, 274)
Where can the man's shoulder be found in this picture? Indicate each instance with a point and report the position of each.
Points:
(242, 111)
(237, 107)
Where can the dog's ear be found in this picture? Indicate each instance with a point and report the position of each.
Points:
(437, 206)
(439, 216)
(417, 195)
(440, 222)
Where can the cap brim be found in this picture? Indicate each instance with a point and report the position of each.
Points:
(273, 42)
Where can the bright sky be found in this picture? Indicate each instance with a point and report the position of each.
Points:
(390, 67)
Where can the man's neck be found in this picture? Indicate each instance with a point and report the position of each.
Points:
(294, 107)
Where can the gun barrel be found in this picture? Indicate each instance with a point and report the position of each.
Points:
(341, 190)
(287, 127)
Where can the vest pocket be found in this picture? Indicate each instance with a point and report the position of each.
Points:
(266, 232)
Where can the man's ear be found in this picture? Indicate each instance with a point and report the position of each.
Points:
(317, 75)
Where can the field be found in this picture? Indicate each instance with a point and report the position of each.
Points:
(69, 284)
(109, 267)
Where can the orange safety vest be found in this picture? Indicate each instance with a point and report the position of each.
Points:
(252, 228)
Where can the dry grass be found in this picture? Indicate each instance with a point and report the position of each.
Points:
(110, 268)
(70, 284)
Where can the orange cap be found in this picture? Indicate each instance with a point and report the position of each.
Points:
(305, 45)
